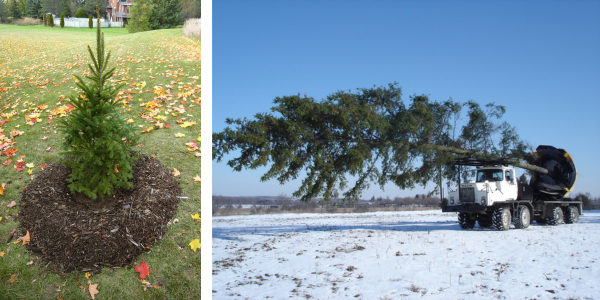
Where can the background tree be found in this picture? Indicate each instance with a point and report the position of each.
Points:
(89, 7)
(190, 9)
(33, 8)
(50, 20)
(75, 5)
(66, 8)
(585, 200)
(98, 141)
(80, 13)
(3, 12)
(62, 21)
(139, 16)
(371, 134)
(51, 6)
(165, 14)
(15, 12)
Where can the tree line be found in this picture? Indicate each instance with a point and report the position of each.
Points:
(145, 14)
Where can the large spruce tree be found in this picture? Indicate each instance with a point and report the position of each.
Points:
(98, 141)
(371, 134)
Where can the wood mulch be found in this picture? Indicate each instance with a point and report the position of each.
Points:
(77, 233)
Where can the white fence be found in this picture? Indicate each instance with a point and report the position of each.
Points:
(84, 22)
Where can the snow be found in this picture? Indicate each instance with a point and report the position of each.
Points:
(401, 255)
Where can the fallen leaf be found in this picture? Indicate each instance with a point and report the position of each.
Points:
(29, 165)
(199, 139)
(116, 171)
(93, 290)
(2, 254)
(13, 278)
(143, 269)
(179, 135)
(197, 179)
(175, 173)
(29, 171)
(195, 217)
(24, 238)
(197, 154)
(43, 166)
(194, 244)
(2, 189)
(87, 275)
(12, 203)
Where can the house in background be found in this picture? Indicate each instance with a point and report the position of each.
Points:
(118, 10)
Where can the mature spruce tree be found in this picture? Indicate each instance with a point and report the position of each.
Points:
(98, 141)
(371, 134)
(33, 8)
(165, 14)
(15, 12)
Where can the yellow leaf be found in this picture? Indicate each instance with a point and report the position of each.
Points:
(179, 135)
(2, 254)
(196, 217)
(195, 244)
(87, 275)
(175, 173)
(29, 171)
(186, 124)
(29, 165)
(197, 178)
(129, 121)
(199, 139)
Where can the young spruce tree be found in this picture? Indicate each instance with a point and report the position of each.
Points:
(62, 21)
(90, 23)
(98, 141)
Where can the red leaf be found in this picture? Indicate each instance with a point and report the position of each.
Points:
(143, 269)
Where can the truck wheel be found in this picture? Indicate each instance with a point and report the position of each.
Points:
(485, 220)
(557, 217)
(501, 218)
(523, 219)
(571, 215)
(465, 221)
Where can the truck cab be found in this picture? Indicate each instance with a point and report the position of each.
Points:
(491, 184)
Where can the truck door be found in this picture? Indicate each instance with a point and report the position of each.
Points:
(509, 185)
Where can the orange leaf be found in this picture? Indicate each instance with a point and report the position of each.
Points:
(175, 173)
(93, 290)
(25, 238)
(143, 269)
(13, 278)
(116, 171)
(197, 178)
(2, 189)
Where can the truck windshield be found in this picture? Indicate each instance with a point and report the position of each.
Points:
(489, 175)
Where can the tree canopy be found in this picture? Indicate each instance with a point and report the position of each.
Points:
(371, 134)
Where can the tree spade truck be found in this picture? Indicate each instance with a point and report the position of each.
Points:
(495, 198)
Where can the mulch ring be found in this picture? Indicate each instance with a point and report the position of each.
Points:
(77, 233)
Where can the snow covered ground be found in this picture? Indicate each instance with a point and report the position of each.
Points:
(401, 255)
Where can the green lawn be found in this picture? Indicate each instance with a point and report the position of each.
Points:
(162, 72)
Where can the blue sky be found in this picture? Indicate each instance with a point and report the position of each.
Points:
(539, 59)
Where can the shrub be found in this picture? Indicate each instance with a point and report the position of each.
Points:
(98, 141)
(80, 13)
(45, 20)
(62, 21)
(91, 24)
(27, 21)
(50, 20)
(191, 28)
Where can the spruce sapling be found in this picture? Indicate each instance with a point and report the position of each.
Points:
(98, 141)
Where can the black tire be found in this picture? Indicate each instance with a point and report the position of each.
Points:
(557, 216)
(571, 214)
(485, 220)
(501, 218)
(523, 218)
(465, 221)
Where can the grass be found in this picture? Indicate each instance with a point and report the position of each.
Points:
(37, 64)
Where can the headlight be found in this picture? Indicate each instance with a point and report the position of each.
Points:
(482, 199)
(451, 200)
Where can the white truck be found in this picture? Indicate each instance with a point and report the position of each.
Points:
(495, 198)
